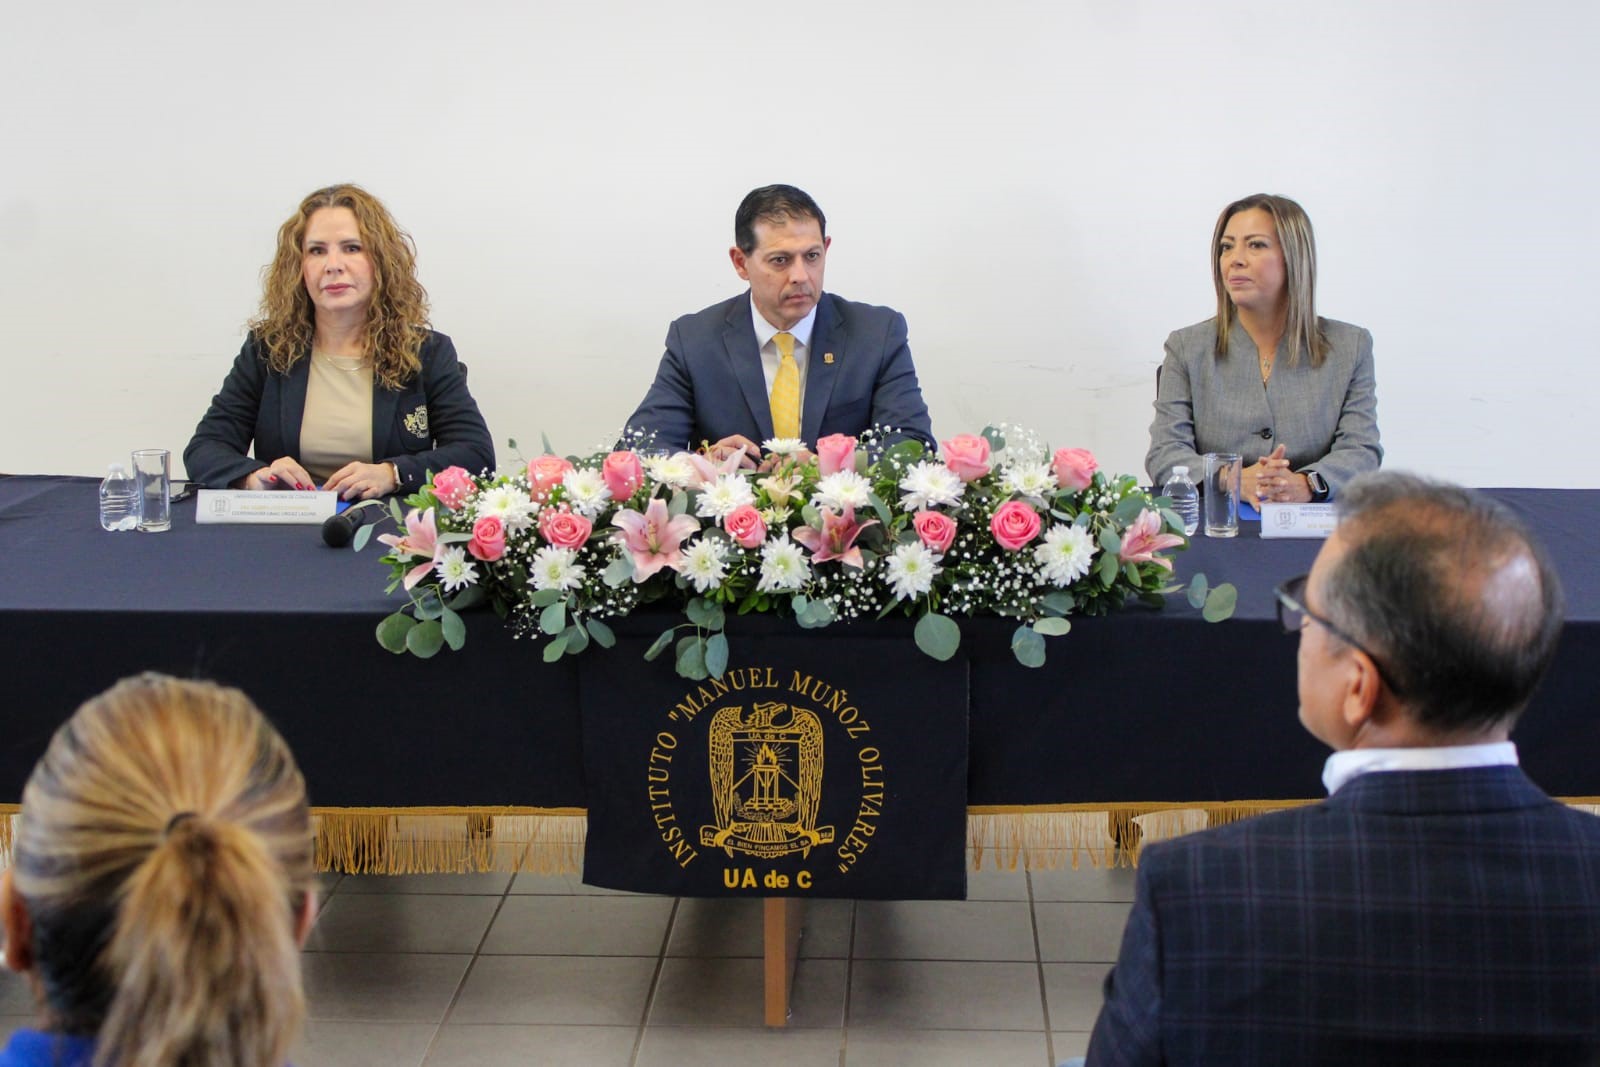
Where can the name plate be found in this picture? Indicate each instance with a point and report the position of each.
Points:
(288, 507)
(1297, 520)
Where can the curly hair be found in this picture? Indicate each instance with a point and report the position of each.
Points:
(397, 318)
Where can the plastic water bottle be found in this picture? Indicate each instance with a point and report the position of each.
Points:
(119, 500)
(1185, 499)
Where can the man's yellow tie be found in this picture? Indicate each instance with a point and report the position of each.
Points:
(785, 397)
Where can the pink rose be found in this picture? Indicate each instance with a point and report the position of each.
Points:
(967, 455)
(745, 525)
(935, 530)
(1014, 525)
(623, 474)
(544, 474)
(564, 529)
(452, 486)
(836, 452)
(488, 539)
(1074, 468)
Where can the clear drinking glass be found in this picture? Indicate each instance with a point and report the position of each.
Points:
(152, 469)
(1223, 471)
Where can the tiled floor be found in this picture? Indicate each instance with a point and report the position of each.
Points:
(495, 969)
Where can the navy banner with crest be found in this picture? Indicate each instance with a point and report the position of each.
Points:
(800, 772)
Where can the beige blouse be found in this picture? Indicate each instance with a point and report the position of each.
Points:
(337, 426)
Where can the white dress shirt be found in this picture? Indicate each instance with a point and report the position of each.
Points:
(1343, 766)
(770, 358)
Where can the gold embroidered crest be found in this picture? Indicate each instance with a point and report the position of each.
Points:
(416, 423)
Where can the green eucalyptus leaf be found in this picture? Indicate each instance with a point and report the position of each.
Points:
(392, 631)
(618, 572)
(1110, 543)
(1108, 567)
(996, 439)
(602, 634)
(705, 614)
(1197, 591)
(659, 645)
(1131, 572)
(1028, 647)
(549, 449)
(543, 598)
(454, 630)
(1060, 602)
(577, 639)
(1220, 603)
(1052, 627)
(692, 658)
(429, 605)
(425, 639)
(716, 655)
(678, 504)
(363, 535)
(938, 635)
(812, 516)
(469, 597)
(880, 508)
(556, 648)
(553, 619)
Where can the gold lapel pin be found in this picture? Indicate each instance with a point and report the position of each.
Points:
(827, 357)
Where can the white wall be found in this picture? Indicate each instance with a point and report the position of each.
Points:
(1033, 184)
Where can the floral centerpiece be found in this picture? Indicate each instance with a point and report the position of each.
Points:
(993, 524)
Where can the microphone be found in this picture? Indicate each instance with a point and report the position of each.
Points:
(338, 530)
(1265, 433)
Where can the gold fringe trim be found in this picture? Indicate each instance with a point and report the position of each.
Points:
(549, 841)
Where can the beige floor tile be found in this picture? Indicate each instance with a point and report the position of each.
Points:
(580, 926)
(733, 927)
(944, 930)
(920, 994)
(668, 1046)
(1074, 992)
(402, 922)
(728, 992)
(944, 1048)
(397, 987)
(562, 885)
(492, 884)
(992, 884)
(1080, 932)
(341, 1044)
(533, 1046)
(568, 990)
(1085, 883)
(1070, 1043)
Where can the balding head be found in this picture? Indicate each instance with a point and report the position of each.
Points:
(1449, 590)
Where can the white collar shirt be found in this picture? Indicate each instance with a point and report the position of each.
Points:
(770, 358)
(1343, 766)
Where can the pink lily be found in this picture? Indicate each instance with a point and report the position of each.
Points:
(652, 539)
(421, 539)
(1144, 539)
(837, 537)
(709, 470)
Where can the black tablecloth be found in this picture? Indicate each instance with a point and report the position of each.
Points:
(1142, 706)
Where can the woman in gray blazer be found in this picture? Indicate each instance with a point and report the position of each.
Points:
(1292, 393)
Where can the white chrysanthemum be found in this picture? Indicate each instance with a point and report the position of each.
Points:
(674, 470)
(783, 446)
(842, 489)
(912, 569)
(775, 516)
(455, 570)
(930, 485)
(511, 505)
(783, 566)
(705, 563)
(1064, 555)
(722, 496)
(1036, 481)
(556, 568)
(586, 491)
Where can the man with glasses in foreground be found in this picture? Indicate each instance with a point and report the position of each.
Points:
(1438, 907)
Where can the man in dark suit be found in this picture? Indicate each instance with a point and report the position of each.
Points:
(784, 359)
(1437, 908)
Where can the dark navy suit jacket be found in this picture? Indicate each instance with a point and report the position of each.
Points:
(710, 384)
(1432, 917)
(431, 423)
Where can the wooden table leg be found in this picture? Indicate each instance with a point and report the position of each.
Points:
(781, 921)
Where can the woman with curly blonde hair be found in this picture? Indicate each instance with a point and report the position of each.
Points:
(161, 884)
(341, 382)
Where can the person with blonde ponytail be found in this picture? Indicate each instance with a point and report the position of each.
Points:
(161, 884)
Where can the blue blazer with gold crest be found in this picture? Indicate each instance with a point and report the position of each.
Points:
(429, 424)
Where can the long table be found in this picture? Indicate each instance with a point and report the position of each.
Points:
(1142, 707)
(1133, 713)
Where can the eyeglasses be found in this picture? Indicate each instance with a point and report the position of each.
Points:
(1293, 613)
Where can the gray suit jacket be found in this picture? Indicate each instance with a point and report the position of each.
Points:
(709, 384)
(1327, 416)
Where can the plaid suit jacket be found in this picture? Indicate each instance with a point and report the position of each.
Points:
(1448, 917)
